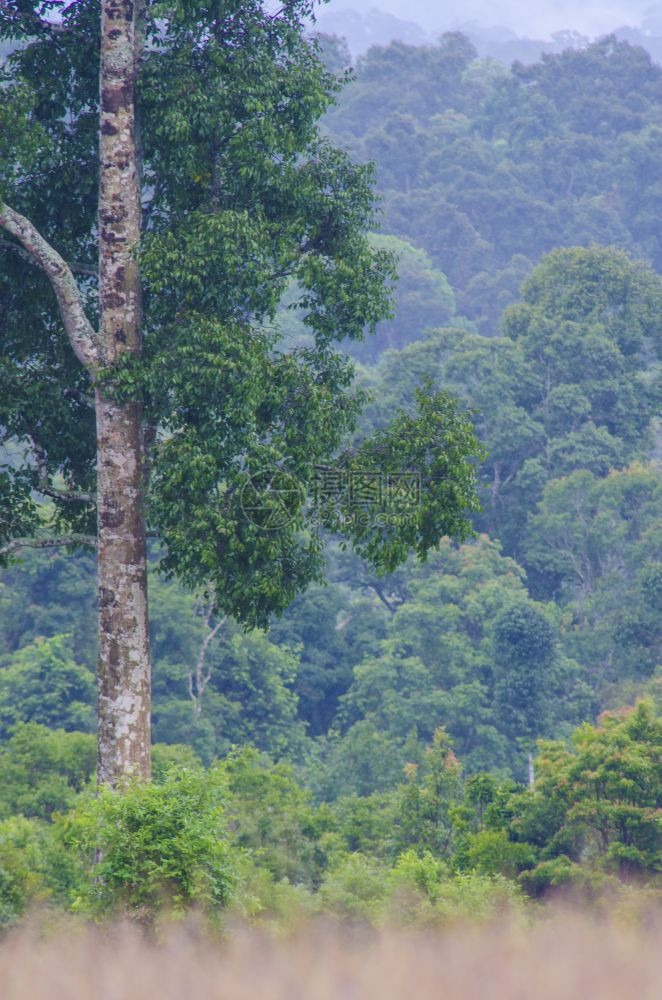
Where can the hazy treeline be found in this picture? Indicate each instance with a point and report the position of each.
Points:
(364, 28)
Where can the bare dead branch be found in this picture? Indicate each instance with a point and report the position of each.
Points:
(199, 678)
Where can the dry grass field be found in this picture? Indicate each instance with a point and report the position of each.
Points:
(562, 957)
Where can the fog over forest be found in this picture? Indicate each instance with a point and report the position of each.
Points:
(512, 31)
(540, 19)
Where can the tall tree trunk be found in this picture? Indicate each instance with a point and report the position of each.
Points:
(124, 660)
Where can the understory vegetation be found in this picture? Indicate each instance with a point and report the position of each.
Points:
(438, 846)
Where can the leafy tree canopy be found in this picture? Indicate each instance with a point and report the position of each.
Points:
(42, 683)
(487, 169)
(242, 197)
(571, 385)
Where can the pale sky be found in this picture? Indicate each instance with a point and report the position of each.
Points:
(533, 18)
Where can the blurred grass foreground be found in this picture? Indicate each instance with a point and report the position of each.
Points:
(561, 957)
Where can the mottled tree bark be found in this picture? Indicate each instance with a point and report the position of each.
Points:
(124, 659)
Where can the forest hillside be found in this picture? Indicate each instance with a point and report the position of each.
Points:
(468, 734)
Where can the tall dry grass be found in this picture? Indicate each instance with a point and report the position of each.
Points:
(567, 957)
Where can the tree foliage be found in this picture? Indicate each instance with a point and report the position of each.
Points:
(242, 199)
(488, 168)
(572, 384)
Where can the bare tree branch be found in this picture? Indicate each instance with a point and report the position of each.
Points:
(78, 327)
(80, 397)
(46, 543)
(391, 602)
(87, 272)
(36, 26)
(199, 678)
(72, 496)
(44, 485)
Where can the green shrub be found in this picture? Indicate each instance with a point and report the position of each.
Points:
(166, 756)
(273, 817)
(561, 876)
(355, 888)
(477, 898)
(413, 886)
(264, 900)
(422, 872)
(491, 852)
(423, 892)
(160, 848)
(22, 882)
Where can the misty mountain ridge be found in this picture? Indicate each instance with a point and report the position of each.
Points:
(363, 28)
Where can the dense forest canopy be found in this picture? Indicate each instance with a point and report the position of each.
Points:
(487, 168)
(523, 206)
